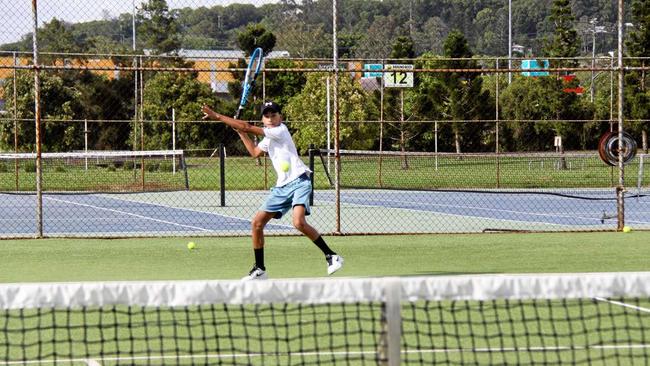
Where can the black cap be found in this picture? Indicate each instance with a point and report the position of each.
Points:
(270, 106)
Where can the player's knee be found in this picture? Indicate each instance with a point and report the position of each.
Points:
(257, 225)
(301, 225)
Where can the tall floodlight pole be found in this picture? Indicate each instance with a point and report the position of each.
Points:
(135, 86)
(509, 40)
(37, 121)
(619, 190)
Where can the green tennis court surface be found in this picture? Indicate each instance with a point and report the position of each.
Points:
(456, 330)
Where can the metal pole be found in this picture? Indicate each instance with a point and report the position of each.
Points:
(135, 87)
(86, 143)
(593, 59)
(509, 41)
(621, 172)
(37, 120)
(174, 140)
(142, 122)
(337, 153)
(498, 172)
(381, 124)
(329, 123)
(15, 121)
(611, 92)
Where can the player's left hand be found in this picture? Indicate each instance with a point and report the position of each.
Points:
(209, 113)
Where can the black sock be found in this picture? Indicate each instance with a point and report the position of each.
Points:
(320, 243)
(259, 258)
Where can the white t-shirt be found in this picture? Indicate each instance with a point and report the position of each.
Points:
(279, 145)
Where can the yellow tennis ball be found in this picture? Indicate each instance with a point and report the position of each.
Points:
(191, 245)
(284, 166)
(627, 229)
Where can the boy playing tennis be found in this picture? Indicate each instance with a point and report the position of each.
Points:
(292, 189)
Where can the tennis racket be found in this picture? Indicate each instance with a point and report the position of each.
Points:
(253, 69)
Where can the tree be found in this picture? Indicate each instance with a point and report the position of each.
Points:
(637, 92)
(185, 94)
(306, 112)
(402, 48)
(464, 99)
(255, 36)
(158, 29)
(564, 42)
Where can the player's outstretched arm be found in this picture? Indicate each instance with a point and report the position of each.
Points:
(250, 145)
(237, 124)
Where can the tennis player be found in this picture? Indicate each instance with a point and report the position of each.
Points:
(293, 185)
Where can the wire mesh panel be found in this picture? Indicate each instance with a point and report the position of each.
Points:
(445, 192)
(581, 319)
(409, 77)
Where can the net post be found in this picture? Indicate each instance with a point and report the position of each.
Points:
(311, 167)
(183, 166)
(389, 352)
(222, 174)
(639, 181)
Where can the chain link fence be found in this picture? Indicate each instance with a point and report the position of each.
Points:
(402, 135)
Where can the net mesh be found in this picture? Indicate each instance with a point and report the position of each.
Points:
(456, 320)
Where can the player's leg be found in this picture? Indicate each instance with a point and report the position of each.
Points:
(301, 209)
(260, 220)
(334, 261)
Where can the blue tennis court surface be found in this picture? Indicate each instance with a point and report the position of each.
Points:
(100, 214)
(362, 211)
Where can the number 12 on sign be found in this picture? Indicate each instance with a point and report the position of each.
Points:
(400, 77)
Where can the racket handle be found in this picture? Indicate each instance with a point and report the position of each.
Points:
(239, 109)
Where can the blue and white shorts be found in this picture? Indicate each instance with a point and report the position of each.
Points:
(289, 195)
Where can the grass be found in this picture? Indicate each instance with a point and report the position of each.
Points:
(279, 330)
(29, 260)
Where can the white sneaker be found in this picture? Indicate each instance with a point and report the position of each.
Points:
(255, 274)
(334, 263)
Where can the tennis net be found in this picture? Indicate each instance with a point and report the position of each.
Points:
(571, 171)
(96, 171)
(596, 318)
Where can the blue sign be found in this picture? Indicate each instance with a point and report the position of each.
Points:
(373, 74)
(534, 64)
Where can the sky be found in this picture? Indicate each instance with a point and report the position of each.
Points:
(16, 15)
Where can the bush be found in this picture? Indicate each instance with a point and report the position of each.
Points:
(152, 167)
(30, 166)
(3, 168)
(129, 164)
(59, 169)
(166, 166)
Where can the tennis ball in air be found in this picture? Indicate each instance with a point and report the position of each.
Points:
(284, 165)
(191, 245)
(627, 229)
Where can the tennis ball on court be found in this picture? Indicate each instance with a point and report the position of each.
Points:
(627, 229)
(191, 245)
(284, 166)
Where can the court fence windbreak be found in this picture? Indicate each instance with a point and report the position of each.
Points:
(578, 319)
(481, 140)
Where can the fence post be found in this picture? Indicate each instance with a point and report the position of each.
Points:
(222, 174)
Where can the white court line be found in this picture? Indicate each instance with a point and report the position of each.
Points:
(191, 210)
(94, 362)
(638, 308)
(130, 214)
